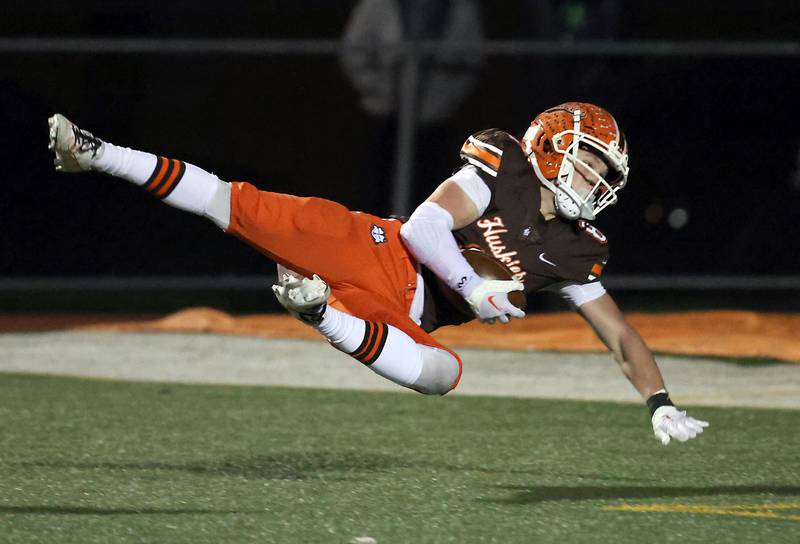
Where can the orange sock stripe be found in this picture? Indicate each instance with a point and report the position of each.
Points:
(383, 334)
(157, 175)
(369, 332)
(178, 169)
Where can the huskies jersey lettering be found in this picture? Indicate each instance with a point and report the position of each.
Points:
(539, 253)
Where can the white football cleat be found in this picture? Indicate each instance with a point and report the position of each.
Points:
(75, 149)
(305, 298)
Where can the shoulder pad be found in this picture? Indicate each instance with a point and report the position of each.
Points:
(484, 149)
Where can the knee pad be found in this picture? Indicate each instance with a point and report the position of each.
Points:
(440, 371)
(218, 209)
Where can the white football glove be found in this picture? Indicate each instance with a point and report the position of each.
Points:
(489, 301)
(670, 423)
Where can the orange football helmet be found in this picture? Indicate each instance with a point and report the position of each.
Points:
(552, 143)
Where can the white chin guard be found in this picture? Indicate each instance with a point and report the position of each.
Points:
(568, 208)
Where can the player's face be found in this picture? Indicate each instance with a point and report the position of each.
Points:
(583, 181)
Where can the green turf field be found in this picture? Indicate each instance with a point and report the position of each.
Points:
(102, 461)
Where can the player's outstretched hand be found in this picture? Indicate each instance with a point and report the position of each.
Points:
(489, 301)
(669, 423)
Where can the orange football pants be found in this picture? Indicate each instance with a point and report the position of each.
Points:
(361, 256)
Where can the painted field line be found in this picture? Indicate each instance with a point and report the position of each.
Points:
(740, 510)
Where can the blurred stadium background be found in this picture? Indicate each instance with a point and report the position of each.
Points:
(329, 99)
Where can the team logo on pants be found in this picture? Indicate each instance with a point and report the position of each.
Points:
(378, 234)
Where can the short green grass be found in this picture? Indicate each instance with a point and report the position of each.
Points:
(102, 461)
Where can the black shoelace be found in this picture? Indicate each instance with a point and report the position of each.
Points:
(85, 141)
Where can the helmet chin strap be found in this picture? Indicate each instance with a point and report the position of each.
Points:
(566, 207)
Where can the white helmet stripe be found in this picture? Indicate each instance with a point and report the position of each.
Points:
(477, 143)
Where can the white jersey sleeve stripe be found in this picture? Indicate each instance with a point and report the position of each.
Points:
(476, 142)
(484, 156)
(479, 164)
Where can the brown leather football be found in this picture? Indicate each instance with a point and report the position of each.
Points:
(490, 268)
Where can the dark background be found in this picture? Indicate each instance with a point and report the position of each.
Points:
(715, 136)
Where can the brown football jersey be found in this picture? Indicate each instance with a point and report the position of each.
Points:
(539, 253)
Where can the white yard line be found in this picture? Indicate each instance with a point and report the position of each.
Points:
(208, 358)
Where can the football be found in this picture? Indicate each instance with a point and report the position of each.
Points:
(490, 268)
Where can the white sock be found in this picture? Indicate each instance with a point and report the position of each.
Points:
(342, 330)
(123, 162)
(179, 184)
(386, 350)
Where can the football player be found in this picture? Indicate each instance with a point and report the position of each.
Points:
(376, 288)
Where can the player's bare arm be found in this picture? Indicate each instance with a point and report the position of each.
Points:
(625, 343)
(638, 364)
(452, 198)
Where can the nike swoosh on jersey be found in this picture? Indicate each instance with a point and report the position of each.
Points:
(544, 260)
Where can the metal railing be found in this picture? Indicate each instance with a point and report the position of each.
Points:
(252, 282)
(233, 46)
